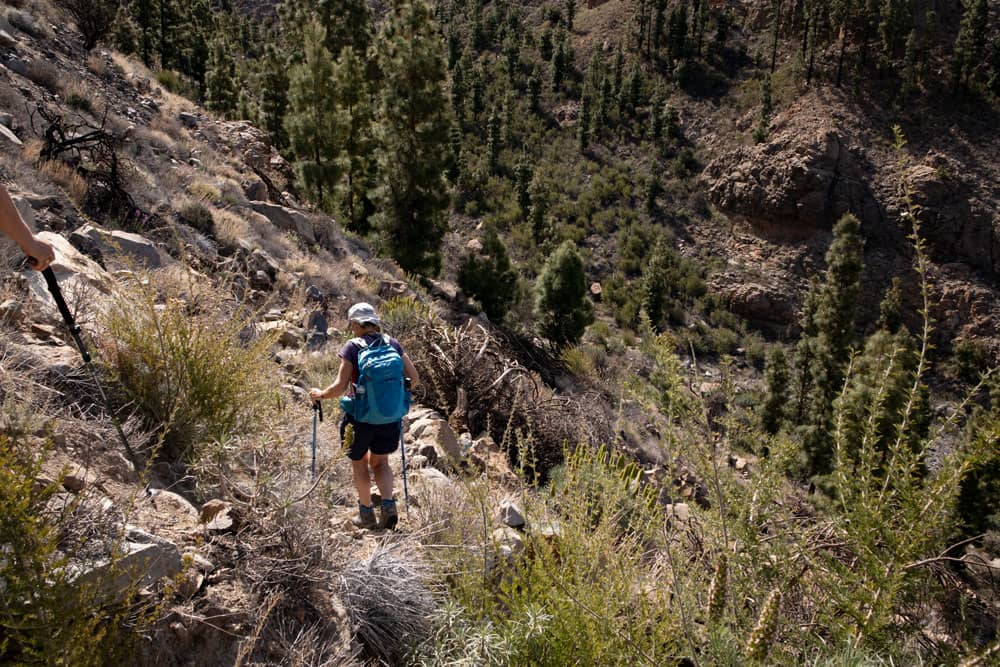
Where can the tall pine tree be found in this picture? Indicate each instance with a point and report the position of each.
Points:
(356, 116)
(412, 134)
(562, 307)
(221, 86)
(313, 131)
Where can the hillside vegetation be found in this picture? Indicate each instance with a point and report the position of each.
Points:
(702, 294)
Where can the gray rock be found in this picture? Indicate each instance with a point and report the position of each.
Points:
(417, 461)
(11, 311)
(169, 500)
(115, 242)
(679, 511)
(139, 565)
(17, 66)
(9, 135)
(255, 190)
(198, 561)
(77, 479)
(286, 219)
(507, 536)
(260, 260)
(432, 476)
(430, 453)
(511, 515)
(188, 120)
(7, 42)
(6, 119)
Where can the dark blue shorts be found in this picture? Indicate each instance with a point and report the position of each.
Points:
(374, 438)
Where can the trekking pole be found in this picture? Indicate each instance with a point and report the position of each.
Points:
(402, 452)
(74, 330)
(317, 417)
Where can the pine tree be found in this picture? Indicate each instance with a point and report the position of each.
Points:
(804, 350)
(559, 63)
(651, 191)
(774, 412)
(274, 95)
(412, 132)
(655, 285)
(489, 276)
(619, 70)
(659, 24)
(583, 124)
(523, 173)
(355, 117)
(478, 91)
(535, 92)
(970, 43)
(538, 213)
(197, 27)
(169, 18)
(834, 321)
(493, 143)
(570, 14)
(145, 14)
(124, 32)
(562, 308)
(313, 132)
(221, 86)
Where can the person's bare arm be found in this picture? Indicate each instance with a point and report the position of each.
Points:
(410, 371)
(14, 226)
(338, 388)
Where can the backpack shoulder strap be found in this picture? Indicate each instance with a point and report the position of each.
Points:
(360, 342)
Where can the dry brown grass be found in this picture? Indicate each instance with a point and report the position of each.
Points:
(230, 228)
(170, 104)
(66, 178)
(46, 75)
(204, 191)
(97, 64)
(170, 127)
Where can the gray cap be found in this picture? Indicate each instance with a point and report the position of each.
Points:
(363, 313)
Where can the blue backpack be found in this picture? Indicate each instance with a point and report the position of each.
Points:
(379, 394)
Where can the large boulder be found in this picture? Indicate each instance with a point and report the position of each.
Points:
(137, 566)
(76, 273)
(287, 219)
(953, 220)
(801, 180)
(134, 247)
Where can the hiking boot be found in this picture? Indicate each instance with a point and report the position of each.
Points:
(366, 517)
(389, 517)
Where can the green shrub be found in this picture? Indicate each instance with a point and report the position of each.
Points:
(404, 317)
(198, 216)
(170, 80)
(970, 359)
(79, 101)
(192, 365)
(45, 618)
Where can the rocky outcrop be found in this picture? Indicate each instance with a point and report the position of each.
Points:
(793, 185)
(287, 219)
(811, 170)
(955, 224)
(132, 247)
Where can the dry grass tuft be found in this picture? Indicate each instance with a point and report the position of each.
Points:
(390, 602)
(66, 178)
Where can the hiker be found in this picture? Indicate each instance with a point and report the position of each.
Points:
(373, 442)
(14, 226)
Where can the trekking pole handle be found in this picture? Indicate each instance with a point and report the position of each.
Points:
(57, 296)
(318, 408)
